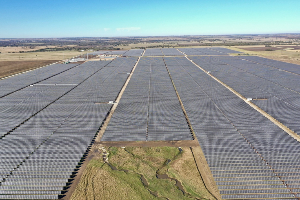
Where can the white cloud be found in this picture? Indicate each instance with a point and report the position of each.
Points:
(128, 29)
(106, 29)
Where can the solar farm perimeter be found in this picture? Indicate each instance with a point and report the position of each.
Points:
(243, 110)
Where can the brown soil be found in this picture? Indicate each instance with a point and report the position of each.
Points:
(8, 68)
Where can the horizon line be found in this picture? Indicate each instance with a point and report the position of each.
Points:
(297, 33)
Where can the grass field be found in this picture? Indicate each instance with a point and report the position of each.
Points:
(17, 49)
(142, 173)
(14, 49)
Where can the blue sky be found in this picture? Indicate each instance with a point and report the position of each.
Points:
(109, 18)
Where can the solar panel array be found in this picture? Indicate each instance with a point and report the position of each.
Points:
(115, 52)
(49, 118)
(99, 52)
(207, 51)
(40, 156)
(224, 50)
(110, 52)
(134, 52)
(153, 52)
(149, 108)
(171, 52)
(21, 105)
(23, 80)
(277, 90)
(274, 63)
(128, 53)
(254, 158)
(249, 156)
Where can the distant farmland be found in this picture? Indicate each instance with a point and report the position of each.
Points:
(12, 62)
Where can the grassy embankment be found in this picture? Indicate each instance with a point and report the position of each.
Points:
(142, 173)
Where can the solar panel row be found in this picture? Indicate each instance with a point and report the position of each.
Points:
(149, 108)
(134, 52)
(24, 80)
(153, 52)
(224, 50)
(206, 51)
(171, 52)
(115, 52)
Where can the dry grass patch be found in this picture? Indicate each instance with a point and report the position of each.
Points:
(183, 168)
(36, 56)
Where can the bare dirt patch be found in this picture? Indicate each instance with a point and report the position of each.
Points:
(8, 68)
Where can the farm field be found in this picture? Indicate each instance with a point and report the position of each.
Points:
(12, 62)
(241, 112)
(17, 49)
(8, 68)
(286, 53)
(36, 56)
